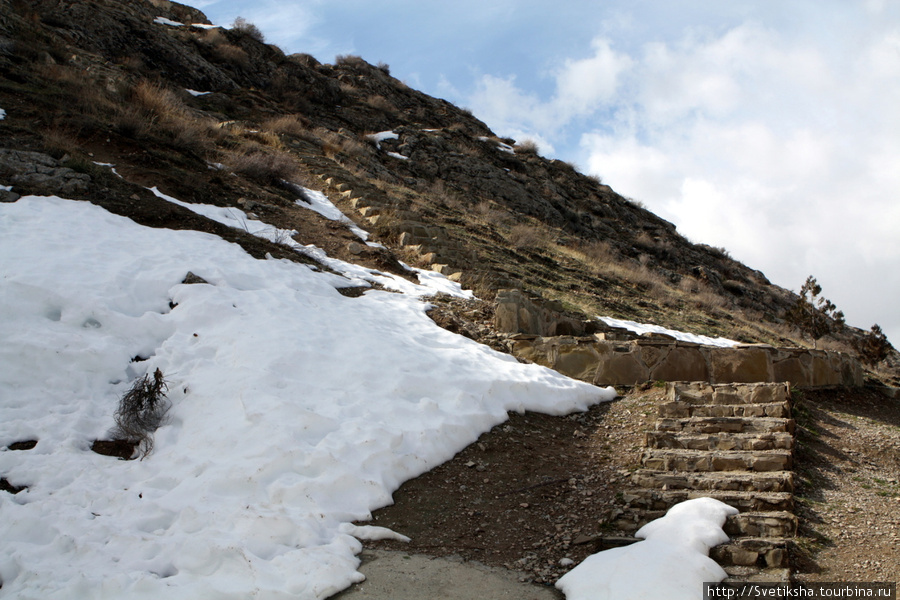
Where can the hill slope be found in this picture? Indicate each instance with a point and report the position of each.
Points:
(151, 89)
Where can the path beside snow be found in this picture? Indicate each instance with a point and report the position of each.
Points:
(295, 410)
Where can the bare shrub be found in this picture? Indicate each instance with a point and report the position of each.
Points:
(708, 299)
(353, 147)
(636, 203)
(287, 124)
(874, 347)
(58, 142)
(380, 103)
(349, 60)
(528, 146)
(264, 167)
(157, 99)
(265, 138)
(525, 236)
(194, 136)
(142, 410)
(211, 37)
(599, 252)
(484, 208)
(689, 285)
(232, 54)
(441, 195)
(247, 28)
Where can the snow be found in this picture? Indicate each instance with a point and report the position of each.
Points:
(500, 145)
(295, 410)
(165, 21)
(195, 93)
(2, 114)
(319, 202)
(382, 136)
(641, 328)
(430, 283)
(110, 166)
(670, 564)
(397, 155)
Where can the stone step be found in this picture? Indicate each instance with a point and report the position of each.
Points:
(700, 460)
(726, 425)
(740, 527)
(744, 501)
(758, 552)
(756, 575)
(775, 481)
(769, 524)
(683, 410)
(727, 393)
(720, 441)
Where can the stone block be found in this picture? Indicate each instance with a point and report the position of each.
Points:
(621, 368)
(679, 364)
(793, 371)
(740, 365)
(742, 557)
(577, 360)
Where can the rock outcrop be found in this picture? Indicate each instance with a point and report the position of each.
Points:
(38, 173)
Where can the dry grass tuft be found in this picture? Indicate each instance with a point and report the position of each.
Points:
(232, 54)
(528, 146)
(526, 236)
(381, 103)
(157, 100)
(296, 125)
(263, 166)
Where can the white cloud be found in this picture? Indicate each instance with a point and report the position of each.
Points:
(584, 85)
(581, 87)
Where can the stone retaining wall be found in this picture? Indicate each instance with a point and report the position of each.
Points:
(605, 362)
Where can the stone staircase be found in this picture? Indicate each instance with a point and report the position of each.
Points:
(430, 243)
(732, 442)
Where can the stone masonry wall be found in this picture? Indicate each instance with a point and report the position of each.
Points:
(605, 362)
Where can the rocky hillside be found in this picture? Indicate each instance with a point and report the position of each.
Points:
(218, 116)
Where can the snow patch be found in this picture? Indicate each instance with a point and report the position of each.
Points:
(397, 155)
(169, 22)
(382, 136)
(500, 145)
(195, 93)
(672, 562)
(641, 328)
(295, 410)
(319, 202)
(2, 114)
(110, 166)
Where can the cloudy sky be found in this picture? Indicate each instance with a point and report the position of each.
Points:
(769, 128)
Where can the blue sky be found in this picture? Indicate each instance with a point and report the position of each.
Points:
(769, 128)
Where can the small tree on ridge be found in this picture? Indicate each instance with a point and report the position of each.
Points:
(874, 347)
(815, 316)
